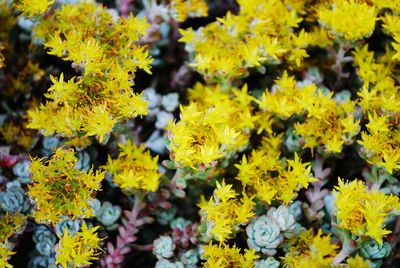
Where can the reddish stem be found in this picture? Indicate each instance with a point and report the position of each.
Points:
(126, 236)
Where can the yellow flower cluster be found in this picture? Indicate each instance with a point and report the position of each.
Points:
(58, 189)
(107, 53)
(32, 8)
(217, 123)
(202, 136)
(392, 26)
(328, 123)
(11, 224)
(261, 32)
(376, 72)
(364, 212)
(224, 213)
(189, 9)
(358, 262)
(5, 253)
(134, 169)
(224, 256)
(78, 250)
(349, 19)
(236, 104)
(271, 178)
(381, 144)
(380, 102)
(309, 250)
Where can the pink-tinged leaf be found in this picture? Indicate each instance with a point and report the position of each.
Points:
(122, 231)
(125, 250)
(133, 231)
(131, 239)
(110, 248)
(109, 260)
(121, 241)
(127, 213)
(119, 259)
(165, 205)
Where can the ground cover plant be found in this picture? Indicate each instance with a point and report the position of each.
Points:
(180, 134)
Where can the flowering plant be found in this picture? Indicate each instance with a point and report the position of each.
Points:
(199, 133)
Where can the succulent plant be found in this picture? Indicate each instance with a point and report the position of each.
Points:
(269, 262)
(371, 249)
(264, 235)
(163, 247)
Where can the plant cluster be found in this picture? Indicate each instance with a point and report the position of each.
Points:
(199, 133)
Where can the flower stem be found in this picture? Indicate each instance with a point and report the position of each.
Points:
(348, 248)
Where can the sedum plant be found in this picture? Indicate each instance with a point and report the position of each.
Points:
(134, 169)
(79, 249)
(223, 255)
(223, 213)
(364, 212)
(5, 254)
(189, 9)
(277, 99)
(201, 137)
(308, 249)
(59, 189)
(106, 54)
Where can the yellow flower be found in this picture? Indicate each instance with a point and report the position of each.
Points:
(381, 142)
(261, 32)
(326, 123)
(224, 213)
(309, 250)
(189, 9)
(134, 169)
(224, 256)
(350, 19)
(5, 254)
(358, 262)
(100, 122)
(78, 249)
(32, 8)
(237, 106)
(202, 136)
(271, 178)
(11, 224)
(58, 189)
(224, 192)
(391, 25)
(364, 212)
(102, 95)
